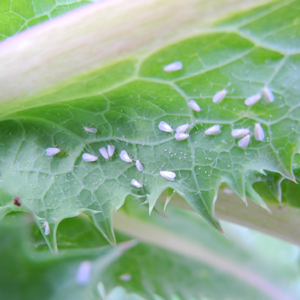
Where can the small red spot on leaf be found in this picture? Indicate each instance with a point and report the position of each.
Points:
(17, 201)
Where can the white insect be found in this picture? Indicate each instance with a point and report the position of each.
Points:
(139, 166)
(181, 136)
(174, 66)
(219, 96)
(83, 274)
(110, 150)
(89, 129)
(182, 128)
(227, 191)
(124, 156)
(104, 153)
(168, 175)
(258, 132)
(213, 130)
(194, 105)
(125, 277)
(52, 151)
(252, 99)
(268, 95)
(47, 228)
(238, 133)
(163, 126)
(89, 157)
(243, 143)
(136, 183)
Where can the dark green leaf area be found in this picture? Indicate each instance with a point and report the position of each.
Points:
(273, 187)
(29, 275)
(126, 111)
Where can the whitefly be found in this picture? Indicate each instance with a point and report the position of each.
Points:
(83, 274)
(90, 129)
(259, 134)
(181, 136)
(219, 96)
(135, 183)
(238, 133)
(213, 130)
(47, 228)
(124, 156)
(168, 175)
(163, 126)
(174, 66)
(182, 128)
(139, 166)
(110, 150)
(268, 95)
(252, 99)
(52, 151)
(194, 105)
(243, 143)
(103, 152)
(89, 157)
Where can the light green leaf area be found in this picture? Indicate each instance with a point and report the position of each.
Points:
(18, 15)
(125, 103)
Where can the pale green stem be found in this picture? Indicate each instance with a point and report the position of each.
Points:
(158, 236)
(283, 222)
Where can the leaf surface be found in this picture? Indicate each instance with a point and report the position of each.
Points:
(125, 103)
(147, 271)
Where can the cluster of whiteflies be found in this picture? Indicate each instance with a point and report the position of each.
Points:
(181, 132)
(242, 133)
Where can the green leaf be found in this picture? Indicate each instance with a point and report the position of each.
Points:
(27, 274)
(18, 15)
(189, 259)
(125, 102)
(146, 269)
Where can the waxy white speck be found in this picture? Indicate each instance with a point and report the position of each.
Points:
(252, 99)
(194, 105)
(47, 228)
(182, 128)
(243, 143)
(83, 274)
(52, 151)
(136, 183)
(89, 129)
(168, 175)
(163, 126)
(181, 136)
(89, 157)
(213, 130)
(125, 277)
(227, 191)
(268, 95)
(110, 150)
(259, 134)
(238, 133)
(139, 166)
(124, 156)
(174, 66)
(104, 153)
(219, 96)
